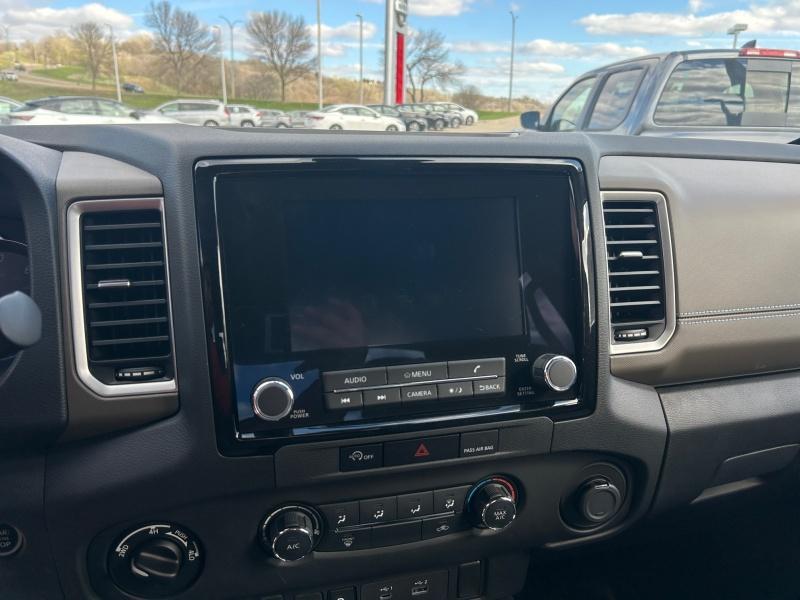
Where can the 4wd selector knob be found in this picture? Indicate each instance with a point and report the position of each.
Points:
(273, 399)
(555, 371)
(291, 533)
(492, 503)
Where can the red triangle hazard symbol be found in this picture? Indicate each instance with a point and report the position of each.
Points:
(422, 451)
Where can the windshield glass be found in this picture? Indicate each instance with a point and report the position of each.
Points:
(449, 66)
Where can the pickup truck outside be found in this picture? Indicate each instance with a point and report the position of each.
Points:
(749, 94)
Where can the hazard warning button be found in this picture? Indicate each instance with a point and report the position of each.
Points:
(421, 450)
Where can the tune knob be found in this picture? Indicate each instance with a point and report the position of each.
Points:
(291, 533)
(273, 399)
(493, 503)
(555, 372)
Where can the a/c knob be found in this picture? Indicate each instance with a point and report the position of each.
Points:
(290, 533)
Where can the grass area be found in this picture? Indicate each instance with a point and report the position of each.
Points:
(65, 73)
(20, 90)
(491, 115)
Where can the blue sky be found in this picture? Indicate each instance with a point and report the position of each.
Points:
(556, 41)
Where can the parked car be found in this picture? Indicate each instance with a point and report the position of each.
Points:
(297, 119)
(412, 121)
(469, 116)
(6, 106)
(209, 113)
(271, 117)
(244, 116)
(352, 117)
(81, 110)
(732, 94)
(452, 119)
(132, 88)
(434, 121)
(9, 75)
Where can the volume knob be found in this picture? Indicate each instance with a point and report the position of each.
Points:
(273, 399)
(555, 372)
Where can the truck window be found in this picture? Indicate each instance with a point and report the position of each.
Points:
(569, 108)
(615, 99)
(726, 92)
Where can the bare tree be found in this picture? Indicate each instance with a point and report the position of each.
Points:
(94, 47)
(180, 38)
(282, 42)
(428, 63)
(469, 96)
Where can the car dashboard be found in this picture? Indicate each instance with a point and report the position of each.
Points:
(297, 365)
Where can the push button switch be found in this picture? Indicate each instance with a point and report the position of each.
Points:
(343, 401)
(422, 450)
(483, 367)
(419, 393)
(381, 398)
(411, 506)
(491, 387)
(345, 380)
(417, 373)
(358, 458)
(340, 515)
(450, 499)
(378, 510)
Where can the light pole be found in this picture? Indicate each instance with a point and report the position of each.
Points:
(360, 58)
(218, 30)
(388, 52)
(513, 47)
(735, 31)
(116, 61)
(231, 64)
(319, 52)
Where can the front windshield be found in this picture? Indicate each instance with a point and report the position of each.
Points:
(456, 66)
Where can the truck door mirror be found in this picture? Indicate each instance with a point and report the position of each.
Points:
(531, 119)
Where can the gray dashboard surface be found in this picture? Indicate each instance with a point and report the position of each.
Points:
(94, 485)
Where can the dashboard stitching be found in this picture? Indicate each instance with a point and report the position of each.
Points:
(722, 311)
(728, 320)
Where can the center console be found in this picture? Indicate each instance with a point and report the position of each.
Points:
(348, 297)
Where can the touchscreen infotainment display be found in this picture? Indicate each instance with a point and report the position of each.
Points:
(368, 272)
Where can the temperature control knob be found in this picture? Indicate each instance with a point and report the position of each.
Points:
(492, 503)
(272, 399)
(291, 533)
(555, 372)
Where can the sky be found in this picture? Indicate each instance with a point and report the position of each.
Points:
(556, 40)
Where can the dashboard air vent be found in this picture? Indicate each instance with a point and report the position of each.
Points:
(125, 296)
(639, 271)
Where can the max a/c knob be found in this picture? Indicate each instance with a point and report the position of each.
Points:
(492, 504)
(555, 372)
(273, 399)
(290, 533)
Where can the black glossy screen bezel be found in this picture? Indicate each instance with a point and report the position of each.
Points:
(229, 439)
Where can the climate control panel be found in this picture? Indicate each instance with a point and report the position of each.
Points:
(292, 532)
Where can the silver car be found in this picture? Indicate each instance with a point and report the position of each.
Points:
(271, 117)
(209, 113)
(245, 116)
(297, 119)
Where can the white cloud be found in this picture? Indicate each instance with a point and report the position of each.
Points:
(778, 17)
(439, 8)
(346, 31)
(551, 48)
(32, 23)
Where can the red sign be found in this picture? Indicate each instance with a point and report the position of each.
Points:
(399, 82)
(422, 451)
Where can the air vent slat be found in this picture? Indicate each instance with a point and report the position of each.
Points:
(635, 270)
(127, 322)
(127, 246)
(141, 340)
(125, 292)
(124, 265)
